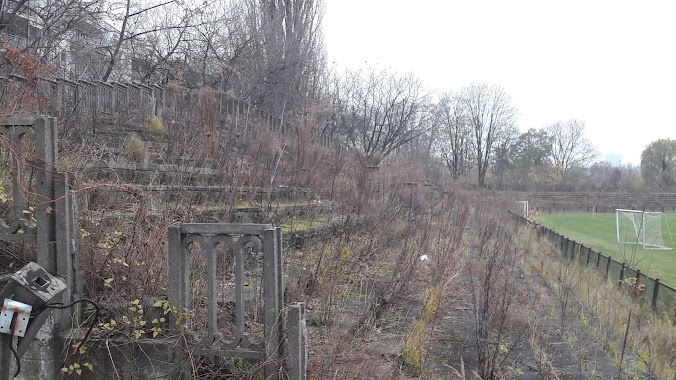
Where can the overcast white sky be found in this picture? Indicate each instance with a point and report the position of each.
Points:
(609, 63)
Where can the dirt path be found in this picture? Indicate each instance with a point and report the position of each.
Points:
(555, 346)
(454, 342)
(567, 340)
(544, 341)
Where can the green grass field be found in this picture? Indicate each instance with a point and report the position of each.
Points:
(598, 231)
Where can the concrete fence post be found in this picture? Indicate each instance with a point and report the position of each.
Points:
(297, 342)
(272, 318)
(67, 259)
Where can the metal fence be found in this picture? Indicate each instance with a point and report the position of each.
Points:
(661, 296)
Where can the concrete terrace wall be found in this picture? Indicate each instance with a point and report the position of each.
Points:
(154, 359)
(114, 103)
(595, 201)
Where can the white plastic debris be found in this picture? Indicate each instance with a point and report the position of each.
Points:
(423, 258)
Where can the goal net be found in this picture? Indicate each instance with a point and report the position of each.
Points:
(521, 208)
(649, 229)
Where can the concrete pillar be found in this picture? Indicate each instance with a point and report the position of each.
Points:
(297, 342)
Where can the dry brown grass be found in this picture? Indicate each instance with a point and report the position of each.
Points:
(652, 337)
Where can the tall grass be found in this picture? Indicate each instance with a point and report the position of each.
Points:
(650, 336)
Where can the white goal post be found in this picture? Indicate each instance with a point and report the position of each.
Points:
(644, 228)
(521, 208)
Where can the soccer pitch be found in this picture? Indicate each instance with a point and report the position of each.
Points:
(598, 232)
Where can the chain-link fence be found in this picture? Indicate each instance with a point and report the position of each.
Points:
(660, 296)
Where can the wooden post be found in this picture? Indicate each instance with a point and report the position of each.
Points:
(619, 283)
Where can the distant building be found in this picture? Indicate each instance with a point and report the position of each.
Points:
(615, 160)
(17, 28)
(68, 35)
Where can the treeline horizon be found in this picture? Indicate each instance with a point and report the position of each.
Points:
(272, 54)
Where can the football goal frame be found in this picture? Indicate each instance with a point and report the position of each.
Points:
(521, 208)
(643, 228)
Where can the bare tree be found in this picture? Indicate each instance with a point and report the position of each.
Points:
(288, 53)
(455, 134)
(153, 30)
(529, 159)
(490, 115)
(380, 111)
(214, 43)
(502, 161)
(52, 30)
(570, 148)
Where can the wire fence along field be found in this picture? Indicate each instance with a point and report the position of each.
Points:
(600, 232)
(599, 209)
(660, 296)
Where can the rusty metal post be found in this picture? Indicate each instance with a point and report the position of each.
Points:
(655, 292)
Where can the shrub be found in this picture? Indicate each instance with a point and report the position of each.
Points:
(135, 149)
(156, 125)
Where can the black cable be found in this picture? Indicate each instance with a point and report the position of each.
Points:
(16, 356)
(59, 305)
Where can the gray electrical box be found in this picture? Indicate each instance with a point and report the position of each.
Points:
(28, 290)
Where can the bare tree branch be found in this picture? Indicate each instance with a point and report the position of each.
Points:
(380, 111)
(570, 147)
(490, 114)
